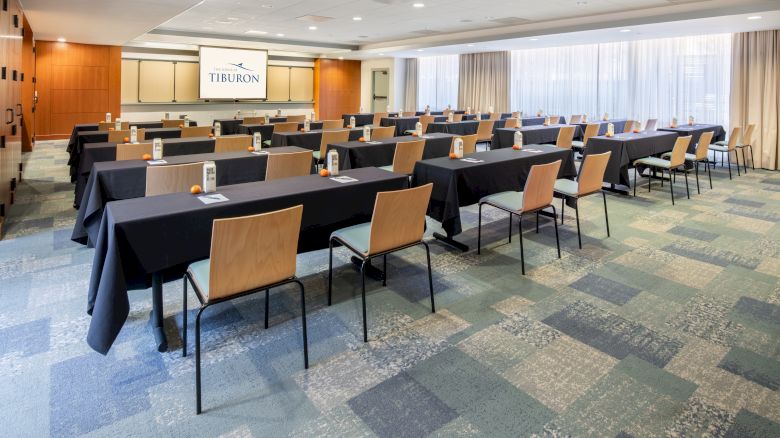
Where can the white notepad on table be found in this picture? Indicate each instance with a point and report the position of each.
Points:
(343, 179)
(212, 198)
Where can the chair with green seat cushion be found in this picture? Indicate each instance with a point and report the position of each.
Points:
(746, 143)
(535, 197)
(589, 181)
(591, 130)
(671, 165)
(406, 154)
(699, 157)
(248, 254)
(728, 147)
(398, 223)
(330, 137)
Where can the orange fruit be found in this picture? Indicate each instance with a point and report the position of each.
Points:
(302, 129)
(516, 147)
(324, 172)
(126, 140)
(349, 126)
(146, 157)
(250, 148)
(362, 139)
(110, 129)
(636, 131)
(414, 134)
(195, 189)
(181, 126)
(211, 134)
(453, 156)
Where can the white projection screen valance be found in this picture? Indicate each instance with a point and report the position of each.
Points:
(233, 73)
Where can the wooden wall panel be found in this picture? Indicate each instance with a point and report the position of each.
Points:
(336, 87)
(76, 83)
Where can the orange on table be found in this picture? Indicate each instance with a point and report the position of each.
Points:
(195, 189)
(516, 147)
(324, 172)
(453, 156)
(250, 148)
(126, 140)
(362, 139)
(146, 157)
(211, 135)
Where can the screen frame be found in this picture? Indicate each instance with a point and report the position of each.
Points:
(232, 99)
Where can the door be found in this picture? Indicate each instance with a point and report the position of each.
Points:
(380, 90)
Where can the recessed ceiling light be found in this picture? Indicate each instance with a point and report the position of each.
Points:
(418, 5)
(223, 22)
(280, 34)
(256, 32)
(357, 18)
(470, 45)
(534, 39)
(61, 39)
(582, 3)
(341, 57)
(754, 17)
(312, 27)
(419, 50)
(625, 30)
(267, 6)
(381, 54)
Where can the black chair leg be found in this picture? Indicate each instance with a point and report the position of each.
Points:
(577, 215)
(555, 222)
(687, 191)
(197, 361)
(330, 270)
(728, 157)
(752, 161)
(267, 297)
(698, 190)
(736, 158)
(479, 230)
(671, 186)
(363, 293)
(522, 253)
(303, 321)
(510, 227)
(430, 276)
(635, 180)
(184, 319)
(709, 172)
(744, 158)
(606, 215)
(537, 222)
(563, 206)
(384, 270)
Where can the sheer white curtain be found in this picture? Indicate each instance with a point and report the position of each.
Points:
(662, 78)
(437, 82)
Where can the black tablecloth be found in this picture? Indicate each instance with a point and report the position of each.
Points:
(98, 152)
(355, 154)
(536, 134)
(267, 131)
(534, 121)
(308, 140)
(433, 113)
(695, 131)
(163, 234)
(231, 126)
(360, 119)
(458, 183)
(620, 126)
(94, 127)
(117, 180)
(626, 148)
(403, 124)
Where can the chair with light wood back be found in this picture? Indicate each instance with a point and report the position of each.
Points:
(253, 121)
(288, 165)
(728, 147)
(515, 114)
(650, 125)
(378, 118)
(575, 119)
(330, 137)
(298, 118)
(675, 161)
(469, 143)
(195, 131)
(747, 143)
(248, 254)
(425, 121)
(132, 151)
(286, 127)
(555, 120)
(629, 126)
(407, 153)
(119, 136)
(701, 156)
(457, 117)
(591, 130)
(232, 143)
(172, 123)
(565, 137)
(485, 131)
(173, 178)
(512, 123)
(380, 132)
(107, 126)
(537, 195)
(398, 223)
(333, 124)
(408, 113)
(494, 116)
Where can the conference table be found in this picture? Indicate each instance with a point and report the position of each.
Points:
(695, 131)
(627, 147)
(458, 183)
(536, 134)
(231, 126)
(355, 154)
(144, 241)
(403, 124)
(619, 124)
(468, 127)
(267, 131)
(117, 180)
(307, 140)
(432, 113)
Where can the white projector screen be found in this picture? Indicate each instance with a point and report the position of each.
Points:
(233, 73)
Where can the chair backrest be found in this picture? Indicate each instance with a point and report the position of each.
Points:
(378, 118)
(512, 123)
(132, 151)
(425, 121)
(515, 114)
(399, 218)
(554, 120)
(288, 165)
(232, 143)
(678, 152)
(380, 132)
(104, 126)
(469, 143)
(565, 137)
(494, 116)
(591, 130)
(333, 124)
(538, 190)
(650, 125)
(747, 137)
(591, 175)
(174, 178)
(298, 118)
(286, 127)
(704, 145)
(331, 137)
(575, 119)
(629, 126)
(408, 113)
(172, 123)
(118, 136)
(253, 251)
(407, 153)
(485, 130)
(457, 117)
(195, 131)
(733, 138)
(253, 121)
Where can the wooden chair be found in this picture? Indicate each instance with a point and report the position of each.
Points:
(515, 114)
(407, 153)
(132, 151)
(702, 148)
(118, 137)
(629, 126)
(555, 120)
(746, 143)
(469, 143)
(172, 123)
(333, 124)
(378, 118)
(232, 143)
(565, 137)
(575, 119)
(729, 147)
(591, 130)
(195, 131)
(380, 132)
(485, 131)
(589, 181)
(650, 125)
(408, 113)
(104, 126)
(298, 118)
(286, 126)
(253, 121)
(330, 137)
(173, 178)
(494, 116)
(425, 121)
(248, 254)
(512, 123)
(288, 165)
(398, 223)
(457, 117)
(676, 160)
(535, 197)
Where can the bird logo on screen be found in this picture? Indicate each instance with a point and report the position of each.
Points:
(241, 66)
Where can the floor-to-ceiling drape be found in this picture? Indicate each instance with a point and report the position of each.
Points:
(437, 82)
(410, 92)
(484, 81)
(755, 91)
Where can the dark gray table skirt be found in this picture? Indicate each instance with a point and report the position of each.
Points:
(536, 134)
(626, 148)
(695, 131)
(307, 140)
(231, 126)
(355, 154)
(403, 124)
(267, 131)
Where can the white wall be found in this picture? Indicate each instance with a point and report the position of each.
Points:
(396, 75)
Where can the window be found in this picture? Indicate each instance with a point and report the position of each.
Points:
(437, 82)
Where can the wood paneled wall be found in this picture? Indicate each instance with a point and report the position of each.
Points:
(336, 88)
(76, 83)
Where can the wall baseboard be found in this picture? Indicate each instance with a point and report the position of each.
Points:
(41, 137)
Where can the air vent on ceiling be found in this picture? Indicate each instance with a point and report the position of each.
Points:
(510, 21)
(314, 18)
(425, 32)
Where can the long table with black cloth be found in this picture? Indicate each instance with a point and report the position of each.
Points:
(619, 125)
(267, 131)
(118, 180)
(537, 134)
(626, 148)
(458, 183)
(307, 140)
(144, 241)
(361, 119)
(403, 124)
(231, 126)
(695, 131)
(468, 127)
(79, 127)
(355, 154)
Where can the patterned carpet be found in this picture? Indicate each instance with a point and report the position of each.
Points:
(671, 327)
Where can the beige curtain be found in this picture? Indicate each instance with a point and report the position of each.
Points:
(410, 95)
(484, 81)
(755, 92)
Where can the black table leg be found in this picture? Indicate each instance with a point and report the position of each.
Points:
(451, 242)
(156, 317)
(371, 270)
(614, 189)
